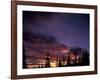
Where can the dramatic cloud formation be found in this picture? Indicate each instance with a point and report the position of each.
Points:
(68, 28)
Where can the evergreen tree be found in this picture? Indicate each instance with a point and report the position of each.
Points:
(68, 59)
(60, 64)
(63, 61)
(24, 57)
(47, 60)
(85, 58)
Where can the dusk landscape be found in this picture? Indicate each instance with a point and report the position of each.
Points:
(54, 39)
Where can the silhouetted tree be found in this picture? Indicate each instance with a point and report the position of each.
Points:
(60, 64)
(68, 59)
(24, 57)
(63, 61)
(85, 58)
(76, 51)
(57, 62)
(79, 60)
(47, 60)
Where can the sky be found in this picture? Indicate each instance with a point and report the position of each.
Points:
(70, 29)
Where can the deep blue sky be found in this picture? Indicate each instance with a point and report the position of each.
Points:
(68, 28)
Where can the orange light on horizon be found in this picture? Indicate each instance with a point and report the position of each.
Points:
(53, 64)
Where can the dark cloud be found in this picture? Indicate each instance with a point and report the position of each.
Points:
(68, 28)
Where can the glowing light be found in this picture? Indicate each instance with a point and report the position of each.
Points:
(53, 65)
(65, 51)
